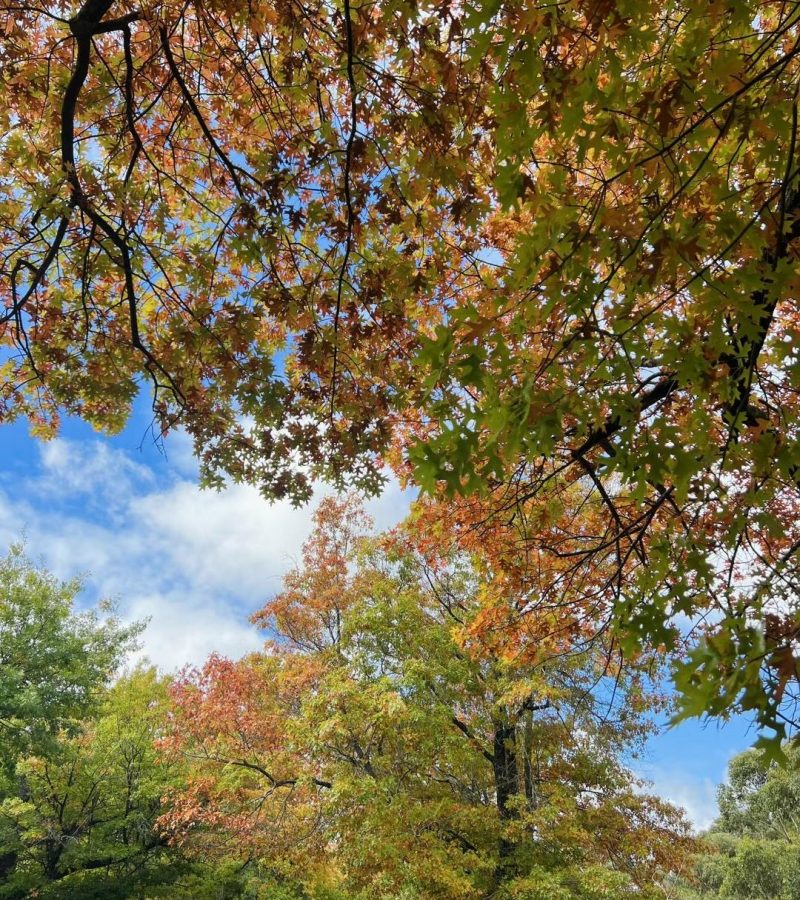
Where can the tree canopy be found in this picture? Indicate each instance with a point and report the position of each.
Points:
(81, 823)
(367, 753)
(753, 848)
(80, 786)
(531, 253)
(370, 750)
(54, 660)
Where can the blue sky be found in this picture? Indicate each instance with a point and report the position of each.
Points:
(130, 517)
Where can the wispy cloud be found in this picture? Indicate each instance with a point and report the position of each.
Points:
(695, 794)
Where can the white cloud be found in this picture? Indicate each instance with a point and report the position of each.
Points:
(93, 471)
(194, 562)
(186, 629)
(230, 540)
(694, 793)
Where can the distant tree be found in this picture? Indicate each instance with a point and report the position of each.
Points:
(755, 841)
(55, 661)
(78, 820)
(368, 754)
(80, 789)
(81, 822)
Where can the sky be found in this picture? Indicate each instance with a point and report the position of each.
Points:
(128, 516)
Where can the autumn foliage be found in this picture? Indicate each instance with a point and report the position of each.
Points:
(541, 260)
(368, 752)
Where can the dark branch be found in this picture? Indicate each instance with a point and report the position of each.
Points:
(467, 731)
(348, 161)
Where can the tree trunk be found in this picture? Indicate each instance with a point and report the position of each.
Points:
(54, 848)
(531, 777)
(506, 778)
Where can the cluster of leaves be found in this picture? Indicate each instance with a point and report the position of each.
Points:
(191, 195)
(53, 661)
(754, 845)
(368, 753)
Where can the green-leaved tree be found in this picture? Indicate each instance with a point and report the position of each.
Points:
(754, 845)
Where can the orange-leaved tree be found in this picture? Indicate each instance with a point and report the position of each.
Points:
(367, 752)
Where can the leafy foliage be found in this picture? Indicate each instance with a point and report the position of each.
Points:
(755, 839)
(369, 753)
(82, 821)
(521, 252)
(80, 788)
(54, 661)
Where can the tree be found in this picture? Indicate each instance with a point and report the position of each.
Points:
(367, 753)
(755, 838)
(54, 661)
(80, 788)
(82, 823)
(528, 250)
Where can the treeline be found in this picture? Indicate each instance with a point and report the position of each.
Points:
(367, 752)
